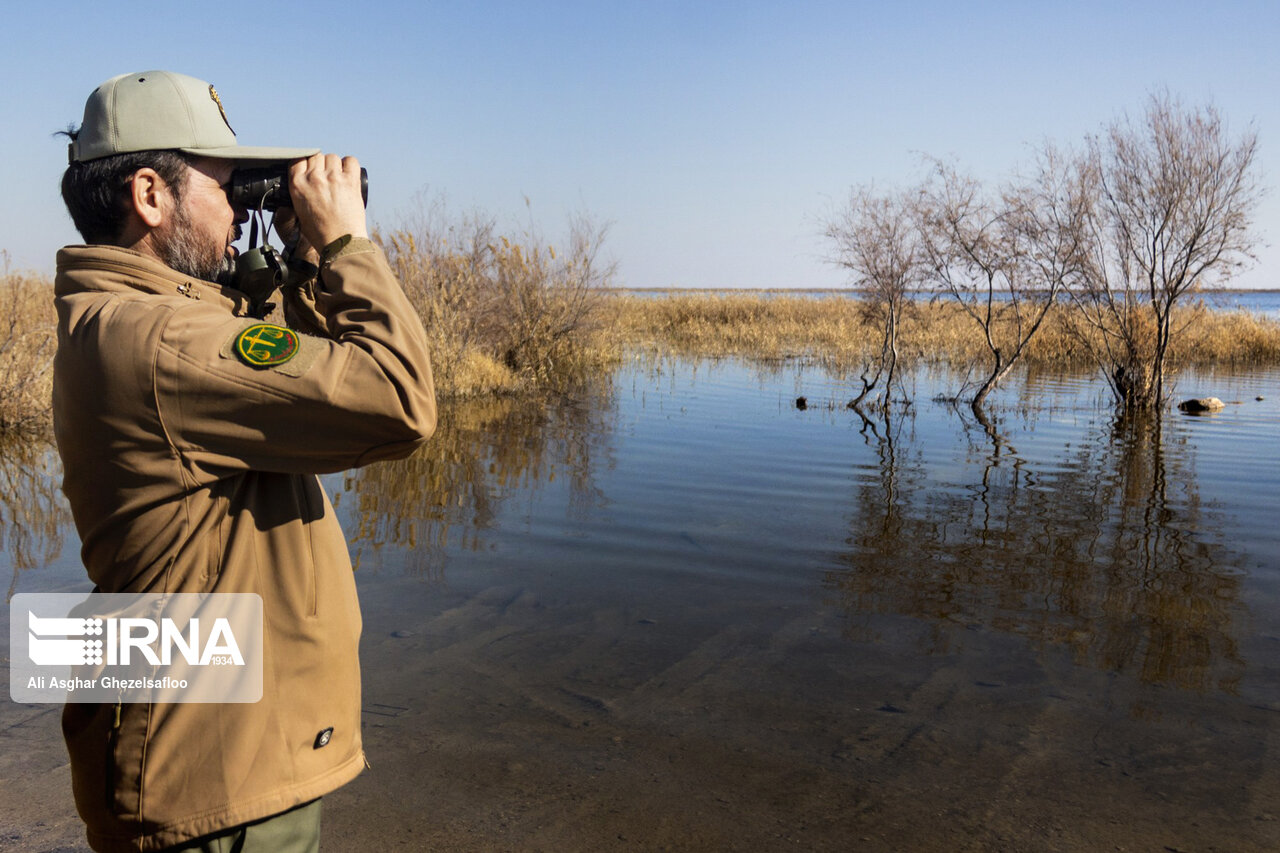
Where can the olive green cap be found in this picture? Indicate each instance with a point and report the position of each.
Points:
(157, 110)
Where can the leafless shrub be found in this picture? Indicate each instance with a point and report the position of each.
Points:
(501, 312)
(875, 238)
(1174, 198)
(1004, 258)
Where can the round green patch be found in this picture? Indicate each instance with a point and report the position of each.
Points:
(266, 345)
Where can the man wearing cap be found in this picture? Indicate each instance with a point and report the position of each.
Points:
(191, 435)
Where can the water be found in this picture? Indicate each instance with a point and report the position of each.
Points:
(1264, 302)
(676, 612)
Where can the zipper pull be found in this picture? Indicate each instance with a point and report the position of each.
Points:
(188, 291)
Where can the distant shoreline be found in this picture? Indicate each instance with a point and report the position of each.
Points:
(852, 291)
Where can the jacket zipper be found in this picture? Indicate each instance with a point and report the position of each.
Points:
(113, 737)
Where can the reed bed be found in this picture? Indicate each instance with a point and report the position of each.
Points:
(749, 325)
(27, 341)
(842, 332)
(513, 318)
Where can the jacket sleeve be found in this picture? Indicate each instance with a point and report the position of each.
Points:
(298, 300)
(234, 393)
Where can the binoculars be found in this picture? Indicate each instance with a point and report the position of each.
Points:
(268, 188)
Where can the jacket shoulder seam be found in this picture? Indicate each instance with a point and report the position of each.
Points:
(155, 382)
(179, 459)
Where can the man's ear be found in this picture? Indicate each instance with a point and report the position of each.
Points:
(151, 196)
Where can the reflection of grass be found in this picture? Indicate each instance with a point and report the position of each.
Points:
(484, 452)
(839, 331)
(32, 512)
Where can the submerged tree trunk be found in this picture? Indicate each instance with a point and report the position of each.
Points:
(891, 348)
(998, 371)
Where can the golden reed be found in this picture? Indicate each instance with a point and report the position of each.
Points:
(507, 317)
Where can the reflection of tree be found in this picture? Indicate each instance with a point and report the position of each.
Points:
(1105, 550)
(881, 508)
(483, 452)
(32, 513)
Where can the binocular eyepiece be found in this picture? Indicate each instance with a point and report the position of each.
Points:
(268, 188)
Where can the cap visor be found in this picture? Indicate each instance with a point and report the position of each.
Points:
(248, 152)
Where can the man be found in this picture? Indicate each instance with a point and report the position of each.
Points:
(191, 435)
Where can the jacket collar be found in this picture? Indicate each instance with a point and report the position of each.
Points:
(115, 269)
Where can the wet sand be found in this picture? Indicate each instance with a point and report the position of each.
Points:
(504, 720)
(507, 721)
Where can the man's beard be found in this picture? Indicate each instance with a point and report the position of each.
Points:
(182, 250)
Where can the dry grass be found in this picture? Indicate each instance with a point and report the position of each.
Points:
(768, 327)
(504, 315)
(836, 331)
(27, 323)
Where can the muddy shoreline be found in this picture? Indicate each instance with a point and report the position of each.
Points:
(490, 726)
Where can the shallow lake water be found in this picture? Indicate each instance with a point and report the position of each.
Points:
(676, 612)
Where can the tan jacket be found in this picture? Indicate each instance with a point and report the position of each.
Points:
(189, 470)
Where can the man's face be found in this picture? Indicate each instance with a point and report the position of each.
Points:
(196, 240)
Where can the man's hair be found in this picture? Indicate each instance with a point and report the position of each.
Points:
(98, 195)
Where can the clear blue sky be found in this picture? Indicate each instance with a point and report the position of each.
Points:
(715, 136)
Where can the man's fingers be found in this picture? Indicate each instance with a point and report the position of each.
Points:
(326, 168)
(327, 198)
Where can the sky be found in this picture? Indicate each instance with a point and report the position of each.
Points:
(713, 138)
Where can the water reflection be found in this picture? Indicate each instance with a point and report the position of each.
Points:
(1103, 547)
(1090, 536)
(33, 515)
(485, 453)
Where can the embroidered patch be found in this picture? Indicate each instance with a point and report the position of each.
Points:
(266, 345)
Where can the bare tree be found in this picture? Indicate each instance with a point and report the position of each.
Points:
(875, 238)
(1175, 199)
(1005, 258)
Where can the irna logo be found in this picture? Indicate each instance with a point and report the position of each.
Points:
(65, 641)
(174, 647)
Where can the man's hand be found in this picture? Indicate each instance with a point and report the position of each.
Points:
(326, 196)
(285, 221)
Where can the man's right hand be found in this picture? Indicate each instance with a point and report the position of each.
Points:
(326, 196)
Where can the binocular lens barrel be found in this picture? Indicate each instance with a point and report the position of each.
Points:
(268, 188)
